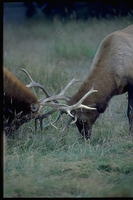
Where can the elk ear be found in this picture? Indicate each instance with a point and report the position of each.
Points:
(34, 107)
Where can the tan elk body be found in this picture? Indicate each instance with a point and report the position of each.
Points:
(111, 74)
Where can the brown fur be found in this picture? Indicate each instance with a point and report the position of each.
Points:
(18, 102)
(111, 74)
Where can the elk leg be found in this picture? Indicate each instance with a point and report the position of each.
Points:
(130, 108)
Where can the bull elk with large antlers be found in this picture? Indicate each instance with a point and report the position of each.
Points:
(111, 74)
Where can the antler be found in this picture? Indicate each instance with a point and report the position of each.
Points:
(52, 101)
(63, 107)
(45, 115)
(59, 96)
(34, 84)
(67, 108)
(77, 105)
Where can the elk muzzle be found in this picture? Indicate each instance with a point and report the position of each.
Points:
(84, 129)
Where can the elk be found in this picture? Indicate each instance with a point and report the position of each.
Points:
(111, 73)
(20, 105)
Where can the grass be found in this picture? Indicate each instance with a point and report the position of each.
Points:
(62, 164)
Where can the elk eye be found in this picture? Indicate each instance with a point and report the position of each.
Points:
(34, 107)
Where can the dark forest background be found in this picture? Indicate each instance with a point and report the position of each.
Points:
(80, 10)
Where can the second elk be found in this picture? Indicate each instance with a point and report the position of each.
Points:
(111, 74)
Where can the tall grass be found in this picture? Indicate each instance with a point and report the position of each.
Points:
(52, 163)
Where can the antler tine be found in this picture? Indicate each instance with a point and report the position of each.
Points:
(67, 124)
(68, 85)
(77, 105)
(59, 96)
(45, 115)
(52, 123)
(34, 84)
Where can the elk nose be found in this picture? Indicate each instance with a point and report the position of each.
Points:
(85, 135)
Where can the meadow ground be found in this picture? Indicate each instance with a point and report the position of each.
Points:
(52, 163)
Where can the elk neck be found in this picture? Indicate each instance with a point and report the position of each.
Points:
(102, 80)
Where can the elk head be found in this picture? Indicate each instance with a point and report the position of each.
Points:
(19, 104)
(84, 121)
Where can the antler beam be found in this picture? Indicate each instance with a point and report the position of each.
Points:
(34, 84)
